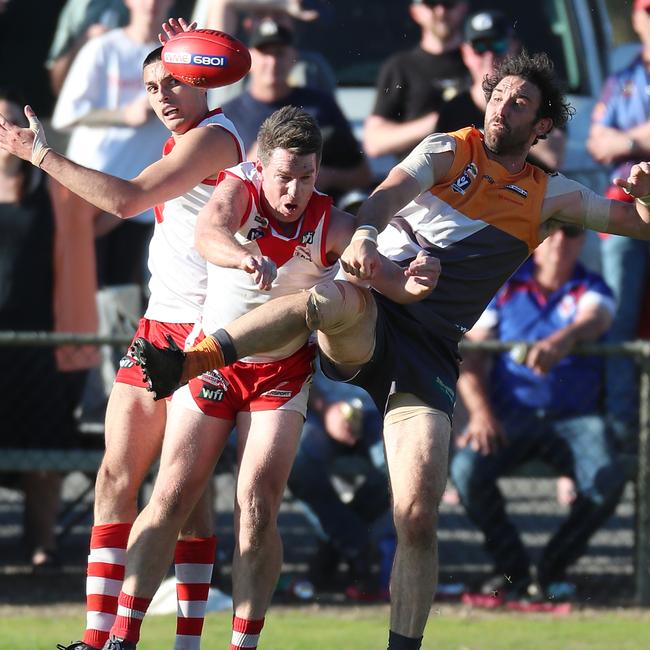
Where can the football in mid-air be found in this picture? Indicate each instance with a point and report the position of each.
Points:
(206, 58)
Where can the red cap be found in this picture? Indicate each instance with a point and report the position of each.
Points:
(641, 4)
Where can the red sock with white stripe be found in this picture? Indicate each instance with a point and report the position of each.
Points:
(245, 633)
(194, 561)
(104, 579)
(130, 612)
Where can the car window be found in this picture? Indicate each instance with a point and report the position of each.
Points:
(357, 36)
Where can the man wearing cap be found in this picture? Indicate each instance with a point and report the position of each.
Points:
(488, 38)
(344, 166)
(525, 409)
(619, 138)
(413, 85)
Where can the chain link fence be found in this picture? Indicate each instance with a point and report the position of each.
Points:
(45, 430)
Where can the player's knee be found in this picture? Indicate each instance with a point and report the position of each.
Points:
(256, 521)
(115, 485)
(335, 306)
(416, 526)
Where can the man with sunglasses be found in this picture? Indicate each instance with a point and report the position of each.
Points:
(488, 38)
(413, 85)
(620, 138)
(526, 408)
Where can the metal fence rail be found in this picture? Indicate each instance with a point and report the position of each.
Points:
(638, 350)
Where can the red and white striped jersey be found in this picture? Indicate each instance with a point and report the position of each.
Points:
(178, 273)
(301, 260)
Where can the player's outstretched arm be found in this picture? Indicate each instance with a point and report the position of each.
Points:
(201, 153)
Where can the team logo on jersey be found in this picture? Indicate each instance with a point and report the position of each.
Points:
(263, 221)
(517, 190)
(302, 252)
(307, 237)
(126, 362)
(461, 184)
(254, 233)
(567, 307)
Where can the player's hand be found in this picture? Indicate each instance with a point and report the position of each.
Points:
(26, 143)
(422, 275)
(175, 26)
(544, 355)
(606, 145)
(637, 184)
(361, 259)
(262, 269)
(483, 434)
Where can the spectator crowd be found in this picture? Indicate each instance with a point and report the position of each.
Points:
(68, 265)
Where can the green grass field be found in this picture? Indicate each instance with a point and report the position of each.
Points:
(450, 628)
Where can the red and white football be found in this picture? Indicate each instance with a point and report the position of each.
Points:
(206, 58)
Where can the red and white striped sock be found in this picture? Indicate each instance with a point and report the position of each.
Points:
(104, 580)
(194, 560)
(245, 633)
(130, 612)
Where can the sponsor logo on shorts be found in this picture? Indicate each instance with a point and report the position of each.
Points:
(462, 183)
(126, 362)
(277, 393)
(215, 378)
(449, 392)
(211, 394)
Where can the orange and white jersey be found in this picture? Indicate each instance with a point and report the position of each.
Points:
(479, 220)
(178, 273)
(300, 258)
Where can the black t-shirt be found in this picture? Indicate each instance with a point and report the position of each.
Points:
(26, 262)
(415, 82)
(340, 147)
(459, 112)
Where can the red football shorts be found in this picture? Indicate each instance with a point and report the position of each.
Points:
(129, 371)
(276, 385)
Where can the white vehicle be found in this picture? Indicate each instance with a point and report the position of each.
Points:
(357, 36)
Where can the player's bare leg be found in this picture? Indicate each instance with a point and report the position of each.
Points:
(133, 437)
(266, 446)
(416, 454)
(193, 444)
(331, 307)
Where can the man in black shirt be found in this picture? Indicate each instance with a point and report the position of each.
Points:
(488, 38)
(413, 85)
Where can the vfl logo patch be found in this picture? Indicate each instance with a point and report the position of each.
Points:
(254, 233)
(462, 183)
(517, 190)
